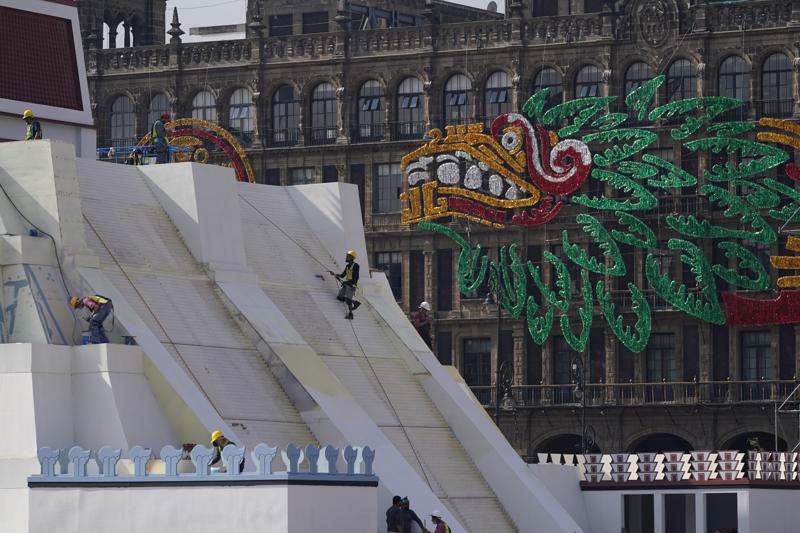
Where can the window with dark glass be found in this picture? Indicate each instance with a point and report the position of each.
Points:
(272, 176)
(392, 264)
(410, 121)
(204, 106)
(387, 188)
(549, 78)
(323, 114)
(587, 82)
(681, 80)
(371, 111)
(662, 362)
(280, 25)
(159, 105)
(776, 87)
(592, 6)
(563, 354)
(285, 116)
(477, 367)
(636, 75)
(734, 82)
(757, 355)
(497, 98)
(330, 174)
(444, 279)
(316, 22)
(301, 176)
(240, 115)
(457, 100)
(123, 122)
(416, 278)
(545, 8)
(444, 347)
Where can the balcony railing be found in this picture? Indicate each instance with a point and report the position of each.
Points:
(283, 137)
(662, 393)
(321, 136)
(364, 133)
(404, 131)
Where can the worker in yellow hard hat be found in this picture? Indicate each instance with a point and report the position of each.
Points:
(33, 130)
(349, 279)
(218, 442)
(99, 308)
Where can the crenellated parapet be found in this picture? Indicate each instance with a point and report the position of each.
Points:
(103, 467)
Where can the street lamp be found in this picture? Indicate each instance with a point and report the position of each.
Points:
(504, 375)
(578, 378)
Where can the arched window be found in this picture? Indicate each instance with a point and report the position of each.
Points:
(457, 100)
(123, 122)
(159, 104)
(549, 78)
(734, 82)
(776, 87)
(497, 97)
(371, 111)
(323, 114)
(410, 121)
(636, 75)
(587, 82)
(681, 81)
(240, 115)
(204, 106)
(285, 116)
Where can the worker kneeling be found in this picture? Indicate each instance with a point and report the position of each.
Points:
(99, 307)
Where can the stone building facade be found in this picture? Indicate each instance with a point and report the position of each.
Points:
(344, 95)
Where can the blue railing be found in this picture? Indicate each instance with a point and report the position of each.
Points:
(136, 155)
(322, 465)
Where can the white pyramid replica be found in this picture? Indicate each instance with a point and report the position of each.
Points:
(223, 286)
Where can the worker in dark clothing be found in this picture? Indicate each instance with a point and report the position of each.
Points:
(219, 441)
(349, 279)
(422, 322)
(394, 518)
(410, 516)
(99, 307)
(33, 130)
(160, 139)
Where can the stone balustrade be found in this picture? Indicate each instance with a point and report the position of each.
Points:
(554, 30)
(321, 464)
(704, 467)
(749, 15)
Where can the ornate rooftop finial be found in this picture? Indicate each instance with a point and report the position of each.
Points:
(176, 30)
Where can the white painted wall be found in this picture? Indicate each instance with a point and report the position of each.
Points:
(243, 509)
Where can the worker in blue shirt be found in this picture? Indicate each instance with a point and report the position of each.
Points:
(33, 130)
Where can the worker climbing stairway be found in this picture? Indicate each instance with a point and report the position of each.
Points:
(142, 253)
(365, 354)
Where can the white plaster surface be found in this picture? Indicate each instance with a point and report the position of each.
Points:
(243, 509)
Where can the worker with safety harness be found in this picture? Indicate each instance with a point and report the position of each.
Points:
(33, 130)
(349, 280)
(99, 307)
(160, 140)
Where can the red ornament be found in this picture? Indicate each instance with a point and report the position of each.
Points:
(743, 311)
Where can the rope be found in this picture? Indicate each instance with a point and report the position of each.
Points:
(147, 305)
(383, 389)
(55, 251)
(320, 263)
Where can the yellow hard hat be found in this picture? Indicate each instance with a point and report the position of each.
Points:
(351, 253)
(27, 114)
(215, 435)
(74, 302)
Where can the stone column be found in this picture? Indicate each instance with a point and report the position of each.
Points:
(706, 369)
(430, 273)
(610, 377)
(387, 117)
(796, 84)
(427, 87)
(126, 27)
(341, 112)
(520, 361)
(702, 80)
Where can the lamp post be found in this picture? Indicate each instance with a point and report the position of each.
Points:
(580, 393)
(504, 375)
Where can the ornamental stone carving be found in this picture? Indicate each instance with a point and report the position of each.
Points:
(653, 22)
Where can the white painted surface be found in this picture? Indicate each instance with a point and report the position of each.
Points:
(243, 509)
